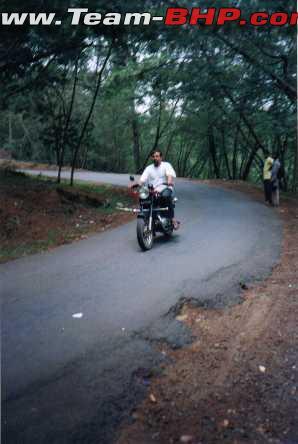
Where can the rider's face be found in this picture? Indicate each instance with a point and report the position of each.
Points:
(156, 159)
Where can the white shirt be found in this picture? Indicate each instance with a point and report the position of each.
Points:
(157, 176)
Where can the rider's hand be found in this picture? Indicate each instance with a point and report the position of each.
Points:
(132, 186)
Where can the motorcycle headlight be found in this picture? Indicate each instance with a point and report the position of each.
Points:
(144, 193)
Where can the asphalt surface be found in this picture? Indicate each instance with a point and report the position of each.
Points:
(68, 380)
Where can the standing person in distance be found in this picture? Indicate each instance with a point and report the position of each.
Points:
(275, 180)
(267, 178)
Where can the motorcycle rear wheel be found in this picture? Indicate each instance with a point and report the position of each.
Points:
(144, 235)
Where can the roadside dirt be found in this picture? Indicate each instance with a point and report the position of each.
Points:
(35, 217)
(238, 381)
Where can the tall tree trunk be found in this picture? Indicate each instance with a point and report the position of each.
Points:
(180, 158)
(85, 158)
(62, 146)
(185, 160)
(160, 131)
(57, 148)
(244, 157)
(169, 144)
(254, 149)
(235, 152)
(136, 144)
(244, 118)
(78, 145)
(212, 151)
(225, 155)
(192, 172)
(26, 132)
(10, 129)
(251, 158)
(157, 135)
(173, 133)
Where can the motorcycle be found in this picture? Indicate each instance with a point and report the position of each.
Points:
(153, 214)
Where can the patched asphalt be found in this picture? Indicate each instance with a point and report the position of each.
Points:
(68, 380)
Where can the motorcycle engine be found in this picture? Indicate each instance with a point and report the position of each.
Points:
(165, 223)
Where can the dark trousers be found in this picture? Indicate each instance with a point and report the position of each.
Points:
(268, 190)
(166, 200)
(171, 207)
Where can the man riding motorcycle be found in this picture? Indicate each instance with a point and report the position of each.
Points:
(161, 175)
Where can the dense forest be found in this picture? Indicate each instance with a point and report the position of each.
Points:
(212, 98)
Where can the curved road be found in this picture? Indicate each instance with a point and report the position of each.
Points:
(67, 379)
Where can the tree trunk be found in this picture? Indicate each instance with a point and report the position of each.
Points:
(157, 135)
(136, 144)
(10, 129)
(85, 158)
(185, 160)
(245, 174)
(244, 118)
(26, 132)
(235, 152)
(78, 145)
(225, 155)
(212, 151)
(244, 157)
(64, 136)
(192, 172)
(160, 131)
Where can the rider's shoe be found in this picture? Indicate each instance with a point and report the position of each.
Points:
(176, 224)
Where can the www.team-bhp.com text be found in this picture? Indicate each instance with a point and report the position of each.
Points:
(173, 17)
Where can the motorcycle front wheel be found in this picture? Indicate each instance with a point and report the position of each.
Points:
(144, 235)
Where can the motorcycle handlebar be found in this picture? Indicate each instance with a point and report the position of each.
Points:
(136, 185)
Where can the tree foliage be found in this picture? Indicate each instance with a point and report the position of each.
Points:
(213, 99)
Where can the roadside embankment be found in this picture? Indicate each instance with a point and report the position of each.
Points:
(238, 381)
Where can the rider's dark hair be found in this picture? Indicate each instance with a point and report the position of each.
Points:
(156, 151)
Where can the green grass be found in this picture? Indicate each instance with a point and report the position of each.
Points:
(25, 249)
(107, 191)
(111, 193)
(19, 183)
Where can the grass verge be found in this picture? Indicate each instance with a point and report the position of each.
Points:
(36, 215)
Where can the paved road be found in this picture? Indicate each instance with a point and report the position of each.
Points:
(68, 380)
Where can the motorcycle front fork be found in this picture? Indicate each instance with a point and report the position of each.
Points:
(151, 217)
